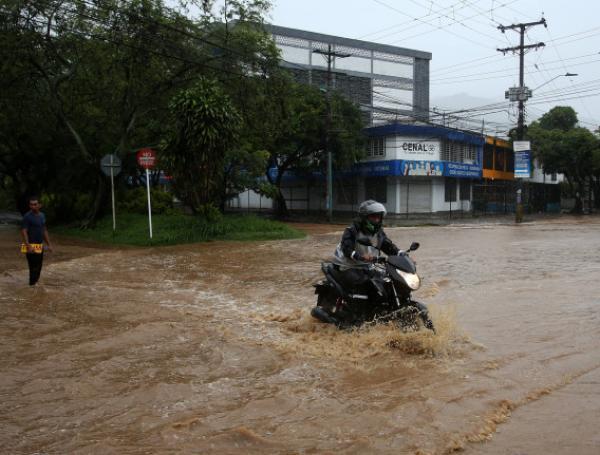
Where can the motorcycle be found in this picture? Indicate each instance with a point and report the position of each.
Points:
(384, 295)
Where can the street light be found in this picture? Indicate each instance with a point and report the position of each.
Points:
(556, 77)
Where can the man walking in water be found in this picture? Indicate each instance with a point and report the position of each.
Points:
(34, 234)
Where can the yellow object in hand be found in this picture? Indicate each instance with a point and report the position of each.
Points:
(37, 248)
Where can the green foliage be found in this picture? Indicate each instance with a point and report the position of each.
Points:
(86, 79)
(203, 128)
(210, 214)
(178, 228)
(563, 147)
(563, 118)
(83, 79)
(63, 207)
(6, 201)
(136, 201)
(301, 128)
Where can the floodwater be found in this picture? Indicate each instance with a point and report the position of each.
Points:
(209, 348)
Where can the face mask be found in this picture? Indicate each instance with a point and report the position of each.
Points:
(371, 227)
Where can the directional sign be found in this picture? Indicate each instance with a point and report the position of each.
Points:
(111, 166)
(110, 162)
(518, 94)
(146, 158)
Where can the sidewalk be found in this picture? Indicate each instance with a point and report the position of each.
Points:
(392, 220)
(10, 217)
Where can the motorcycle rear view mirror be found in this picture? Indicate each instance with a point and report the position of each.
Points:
(414, 246)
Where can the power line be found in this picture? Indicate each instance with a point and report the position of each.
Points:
(555, 40)
(425, 22)
(531, 72)
(440, 13)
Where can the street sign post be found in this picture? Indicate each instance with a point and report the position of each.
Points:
(111, 166)
(146, 158)
(522, 150)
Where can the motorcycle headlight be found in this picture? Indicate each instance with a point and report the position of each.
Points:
(412, 279)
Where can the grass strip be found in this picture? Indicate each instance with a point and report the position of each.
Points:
(177, 228)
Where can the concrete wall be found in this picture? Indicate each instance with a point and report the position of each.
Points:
(538, 176)
(252, 200)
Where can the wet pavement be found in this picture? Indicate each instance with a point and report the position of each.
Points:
(209, 348)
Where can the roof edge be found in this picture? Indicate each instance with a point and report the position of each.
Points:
(351, 42)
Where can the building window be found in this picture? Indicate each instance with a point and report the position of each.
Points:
(470, 154)
(553, 177)
(500, 158)
(459, 152)
(376, 147)
(465, 190)
(450, 190)
(488, 156)
(510, 161)
(376, 188)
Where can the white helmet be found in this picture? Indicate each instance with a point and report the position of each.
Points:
(369, 207)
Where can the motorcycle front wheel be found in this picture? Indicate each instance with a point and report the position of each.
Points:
(327, 301)
(423, 314)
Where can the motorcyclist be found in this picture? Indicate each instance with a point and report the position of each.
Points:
(353, 255)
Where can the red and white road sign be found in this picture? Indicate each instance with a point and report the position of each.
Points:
(146, 158)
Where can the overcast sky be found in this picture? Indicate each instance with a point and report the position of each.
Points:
(462, 37)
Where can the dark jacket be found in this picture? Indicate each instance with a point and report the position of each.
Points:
(352, 232)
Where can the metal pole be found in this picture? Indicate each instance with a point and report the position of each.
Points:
(451, 194)
(327, 127)
(329, 55)
(329, 186)
(149, 207)
(407, 194)
(112, 191)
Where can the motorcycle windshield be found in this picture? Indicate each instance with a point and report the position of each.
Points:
(403, 263)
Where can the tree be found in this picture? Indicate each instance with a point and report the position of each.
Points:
(563, 147)
(105, 70)
(562, 118)
(204, 128)
(297, 133)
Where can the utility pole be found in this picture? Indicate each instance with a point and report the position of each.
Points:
(329, 56)
(522, 93)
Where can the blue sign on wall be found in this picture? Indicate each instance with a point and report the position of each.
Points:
(462, 170)
(408, 168)
(419, 168)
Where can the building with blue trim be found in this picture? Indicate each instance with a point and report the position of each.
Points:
(411, 166)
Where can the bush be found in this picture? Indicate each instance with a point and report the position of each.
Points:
(62, 208)
(209, 213)
(6, 201)
(136, 201)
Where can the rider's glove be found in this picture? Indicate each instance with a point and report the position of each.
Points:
(357, 257)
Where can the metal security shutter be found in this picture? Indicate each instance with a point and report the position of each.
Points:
(419, 196)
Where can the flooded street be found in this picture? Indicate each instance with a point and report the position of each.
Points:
(209, 348)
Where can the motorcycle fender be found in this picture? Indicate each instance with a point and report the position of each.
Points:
(322, 286)
(379, 286)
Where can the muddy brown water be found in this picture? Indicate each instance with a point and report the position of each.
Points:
(209, 348)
